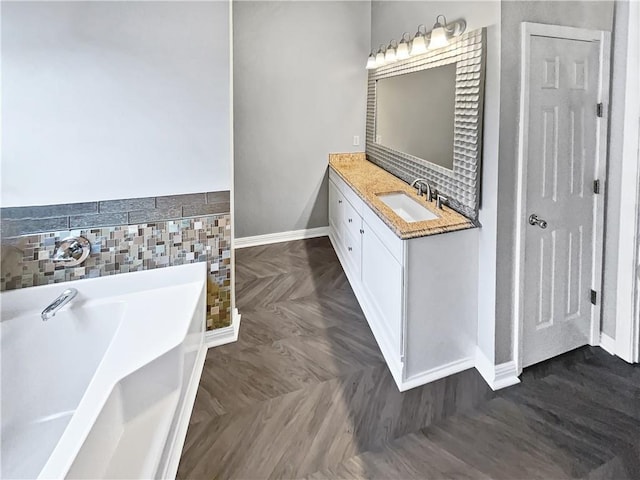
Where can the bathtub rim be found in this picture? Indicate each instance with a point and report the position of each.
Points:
(134, 286)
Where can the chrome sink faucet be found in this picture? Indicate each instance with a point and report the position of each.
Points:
(423, 186)
(66, 296)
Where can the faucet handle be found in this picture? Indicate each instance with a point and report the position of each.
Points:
(72, 251)
(441, 200)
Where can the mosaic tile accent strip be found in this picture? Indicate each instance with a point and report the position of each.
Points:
(26, 260)
(462, 184)
(39, 219)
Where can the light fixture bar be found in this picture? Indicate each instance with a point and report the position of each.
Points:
(422, 41)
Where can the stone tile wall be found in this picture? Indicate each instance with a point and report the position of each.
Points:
(148, 238)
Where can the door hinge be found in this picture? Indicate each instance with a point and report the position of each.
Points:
(596, 186)
(594, 297)
(600, 110)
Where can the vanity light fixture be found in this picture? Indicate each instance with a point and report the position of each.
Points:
(402, 52)
(371, 62)
(390, 54)
(419, 43)
(442, 31)
(422, 42)
(380, 57)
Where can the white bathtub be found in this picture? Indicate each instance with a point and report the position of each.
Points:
(105, 388)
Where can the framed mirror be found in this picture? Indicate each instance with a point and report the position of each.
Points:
(424, 119)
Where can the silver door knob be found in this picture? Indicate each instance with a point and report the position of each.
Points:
(534, 220)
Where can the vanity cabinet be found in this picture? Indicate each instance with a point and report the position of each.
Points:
(348, 225)
(418, 295)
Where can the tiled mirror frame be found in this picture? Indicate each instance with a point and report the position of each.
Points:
(462, 184)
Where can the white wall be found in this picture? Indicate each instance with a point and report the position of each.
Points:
(388, 20)
(105, 100)
(622, 259)
(622, 174)
(300, 91)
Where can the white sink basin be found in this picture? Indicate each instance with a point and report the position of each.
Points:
(406, 207)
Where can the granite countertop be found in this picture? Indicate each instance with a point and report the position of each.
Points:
(368, 181)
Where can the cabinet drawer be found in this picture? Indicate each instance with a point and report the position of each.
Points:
(352, 220)
(353, 252)
(348, 193)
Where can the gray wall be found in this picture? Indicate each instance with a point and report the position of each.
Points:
(299, 94)
(106, 100)
(388, 20)
(595, 15)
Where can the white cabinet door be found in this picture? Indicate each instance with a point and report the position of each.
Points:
(382, 282)
(353, 253)
(336, 209)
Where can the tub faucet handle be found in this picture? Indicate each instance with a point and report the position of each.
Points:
(72, 251)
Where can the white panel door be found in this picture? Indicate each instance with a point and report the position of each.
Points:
(559, 199)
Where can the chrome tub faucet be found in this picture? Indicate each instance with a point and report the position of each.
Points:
(66, 296)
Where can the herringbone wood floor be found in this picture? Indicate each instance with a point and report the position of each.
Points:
(305, 393)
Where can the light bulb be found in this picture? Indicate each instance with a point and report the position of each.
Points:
(371, 62)
(380, 58)
(403, 50)
(418, 45)
(390, 55)
(438, 37)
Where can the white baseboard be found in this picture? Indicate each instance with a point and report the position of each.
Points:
(177, 442)
(280, 237)
(497, 376)
(222, 336)
(437, 373)
(607, 343)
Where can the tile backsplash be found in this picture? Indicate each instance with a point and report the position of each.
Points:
(146, 239)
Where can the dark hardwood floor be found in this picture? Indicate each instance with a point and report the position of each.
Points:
(305, 393)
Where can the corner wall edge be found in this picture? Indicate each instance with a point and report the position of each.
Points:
(497, 376)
